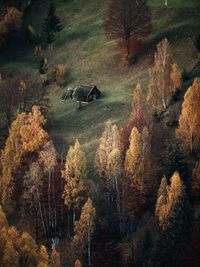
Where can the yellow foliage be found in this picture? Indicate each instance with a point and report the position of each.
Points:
(84, 228)
(77, 263)
(160, 85)
(168, 197)
(74, 174)
(189, 121)
(32, 134)
(175, 76)
(196, 180)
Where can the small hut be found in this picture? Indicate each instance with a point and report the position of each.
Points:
(86, 93)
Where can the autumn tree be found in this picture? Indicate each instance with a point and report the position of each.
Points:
(44, 258)
(55, 259)
(33, 185)
(160, 85)
(32, 133)
(51, 25)
(77, 263)
(11, 158)
(128, 20)
(139, 118)
(74, 174)
(177, 160)
(109, 166)
(137, 160)
(18, 94)
(84, 228)
(10, 22)
(47, 157)
(175, 76)
(196, 180)
(189, 122)
(172, 211)
(26, 135)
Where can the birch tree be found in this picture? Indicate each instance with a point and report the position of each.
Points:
(47, 157)
(74, 174)
(160, 85)
(84, 228)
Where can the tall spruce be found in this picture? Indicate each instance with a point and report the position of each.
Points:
(51, 25)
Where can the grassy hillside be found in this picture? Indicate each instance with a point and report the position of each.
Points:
(91, 58)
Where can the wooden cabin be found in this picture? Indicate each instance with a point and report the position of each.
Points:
(86, 93)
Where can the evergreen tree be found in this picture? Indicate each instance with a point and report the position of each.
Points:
(51, 25)
(176, 160)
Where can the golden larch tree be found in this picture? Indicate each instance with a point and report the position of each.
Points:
(11, 157)
(189, 120)
(44, 257)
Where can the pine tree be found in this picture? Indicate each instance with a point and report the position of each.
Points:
(52, 24)
(84, 228)
(176, 160)
(189, 120)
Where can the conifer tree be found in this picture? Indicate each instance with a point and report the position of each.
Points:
(51, 25)
(74, 174)
(177, 160)
(11, 158)
(84, 228)
(44, 258)
(189, 120)
(173, 217)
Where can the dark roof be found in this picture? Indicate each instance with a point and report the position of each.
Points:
(83, 90)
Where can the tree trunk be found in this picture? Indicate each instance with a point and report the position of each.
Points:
(89, 249)
(49, 198)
